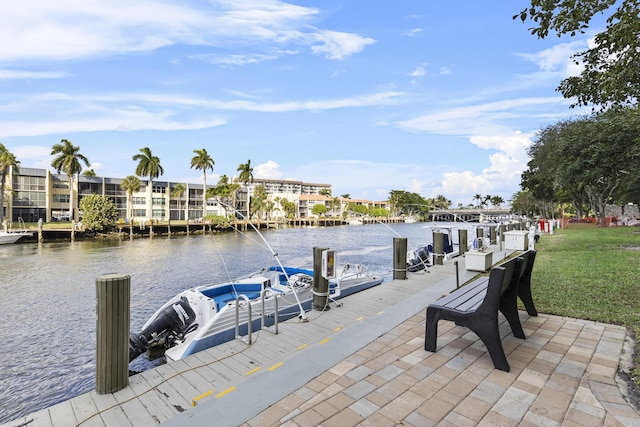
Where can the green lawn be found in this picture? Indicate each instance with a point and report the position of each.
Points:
(590, 273)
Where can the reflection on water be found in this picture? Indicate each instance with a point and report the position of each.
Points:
(47, 293)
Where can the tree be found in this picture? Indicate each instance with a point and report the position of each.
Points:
(585, 160)
(258, 202)
(89, 173)
(224, 191)
(203, 161)
(600, 152)
(98, 212)
(288, 207)
(478, 198)
(148, 166)
(612, 66)
(442, 202)
(246, 177)
(7, 161)
(68, 161)
(130, 184)
(176, 193)
(325, 192)
(319, 209)
(496, 201)
(404, 202)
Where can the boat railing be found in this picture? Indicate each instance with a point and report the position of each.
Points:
(263, 296)
(246, 339)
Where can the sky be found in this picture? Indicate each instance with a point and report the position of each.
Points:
(432, 97)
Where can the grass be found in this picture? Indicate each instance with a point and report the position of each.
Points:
(591, 273)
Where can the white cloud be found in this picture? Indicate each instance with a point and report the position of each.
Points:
(61, 113)
(557, 59)
(269, 170)
(419, 72)
(338, 45)
(33, 29)
(413, 32)
(480, 119)
(32, 75)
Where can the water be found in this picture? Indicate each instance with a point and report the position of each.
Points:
(48, 305)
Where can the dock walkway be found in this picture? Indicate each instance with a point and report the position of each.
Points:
(364, 364)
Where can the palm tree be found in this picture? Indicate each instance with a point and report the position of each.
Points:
(203, 161)
(89, 173)
(478, 199)
(177, 193)
(68, 161)
(130, 184)
(148, 165)
(7, 160)
(246, 177)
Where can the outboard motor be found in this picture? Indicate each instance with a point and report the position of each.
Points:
(174, 320)
(420, 260)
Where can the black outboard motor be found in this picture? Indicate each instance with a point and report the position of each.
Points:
(174, 321)
(420, 260)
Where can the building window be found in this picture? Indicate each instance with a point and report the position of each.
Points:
(158, 213)
(60, 198)
(140, 213)
(139, 201)
(158, 201)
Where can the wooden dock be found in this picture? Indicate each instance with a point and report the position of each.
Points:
(164, 393)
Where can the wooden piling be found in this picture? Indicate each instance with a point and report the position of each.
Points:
(400, 258)
(462, 240)
(492, 234)
(320, 284)
(112, 332)
(438, 248)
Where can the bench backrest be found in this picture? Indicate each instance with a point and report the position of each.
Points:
(527, 266)
(502, 279)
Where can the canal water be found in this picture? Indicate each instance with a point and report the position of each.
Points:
(48, 305)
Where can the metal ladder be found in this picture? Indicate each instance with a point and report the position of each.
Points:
(248, 339)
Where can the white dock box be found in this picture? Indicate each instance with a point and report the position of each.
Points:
(478, 260)
(517, 240)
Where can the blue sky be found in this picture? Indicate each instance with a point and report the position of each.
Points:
(432, 97)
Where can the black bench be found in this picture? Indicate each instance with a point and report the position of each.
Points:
(476, 307)
(524, 285)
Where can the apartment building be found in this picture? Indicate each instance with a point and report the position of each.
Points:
(39, 194)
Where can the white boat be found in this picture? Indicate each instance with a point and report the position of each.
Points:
(410, 220)
(205, 316)
(424, 256)
(12, 236)
(7, 237)
(355, 221)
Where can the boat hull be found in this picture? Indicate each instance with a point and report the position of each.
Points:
(222, 329)
(9, 237)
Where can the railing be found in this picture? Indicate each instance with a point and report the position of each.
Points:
(246, 339)
(263, 296)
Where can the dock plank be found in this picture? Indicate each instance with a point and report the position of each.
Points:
(157, 406)
(62, 413)
(84, 407)
(115, 417)
(137, 414)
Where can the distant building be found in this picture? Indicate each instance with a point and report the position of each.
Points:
(39, 194)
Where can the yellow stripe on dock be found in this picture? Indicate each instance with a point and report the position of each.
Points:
(302, 346)
(227, 391)
(276, 366)
(254, 370)
(324, 341)
(202, 396)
